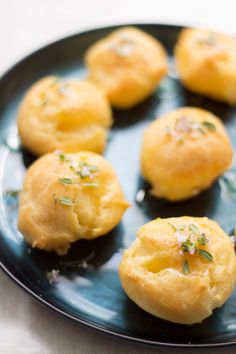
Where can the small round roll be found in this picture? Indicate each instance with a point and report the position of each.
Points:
(127, 65)
(67, 197)
(68, 115)
(206, 62)
(179, 269)
(184, 152)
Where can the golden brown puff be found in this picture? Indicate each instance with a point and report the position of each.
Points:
(68, 115)
(67, 197)
(179, 269)
(206, 62)
(183, 152)
(127, 65)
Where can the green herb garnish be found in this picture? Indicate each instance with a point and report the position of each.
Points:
(193, 229)
(209, 125)
(65, 180)
(181, 227)
(86, 170)
(186, 267)
(189, 242)
(172, 226)
(64, 200)
(188, 246)
(63, 158)
(92, 168)
(205, 254)
(202, 240)
(185, 125)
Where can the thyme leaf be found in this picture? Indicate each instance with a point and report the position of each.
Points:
(172, 226)
(64, 200)
(188, 247)
(205, 254)
(190, 244)
(63, 158)
(209, 125)
(181, 227)
(65, 180)
(186, 267)
(202, 240)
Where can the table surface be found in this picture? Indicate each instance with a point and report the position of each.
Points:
(25, 326)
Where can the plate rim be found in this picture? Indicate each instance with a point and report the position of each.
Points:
(85, 323)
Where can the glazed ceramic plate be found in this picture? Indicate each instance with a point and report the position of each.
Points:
(89, 290)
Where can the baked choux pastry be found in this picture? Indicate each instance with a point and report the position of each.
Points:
(68, 115)
(206, 62)
(183, 153)
(179, 269)
(67, 197)
(127, 65)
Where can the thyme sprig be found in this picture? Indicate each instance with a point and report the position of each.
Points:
(85, 171)
(190, 240)
(186, 267)
(184, 125)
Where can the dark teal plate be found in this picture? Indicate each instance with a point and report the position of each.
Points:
(89, 290)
